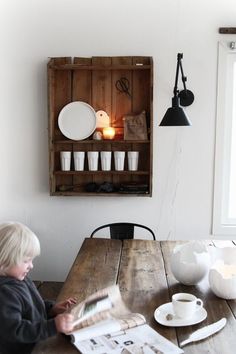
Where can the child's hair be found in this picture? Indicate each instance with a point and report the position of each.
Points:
(17, 242)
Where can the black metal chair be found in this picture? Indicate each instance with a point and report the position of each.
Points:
(122, 230)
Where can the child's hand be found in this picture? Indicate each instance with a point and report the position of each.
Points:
(63, 306)
(64, 323)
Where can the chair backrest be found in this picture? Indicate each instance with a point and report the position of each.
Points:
(122, 230)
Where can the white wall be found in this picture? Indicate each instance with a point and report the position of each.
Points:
(30, 32)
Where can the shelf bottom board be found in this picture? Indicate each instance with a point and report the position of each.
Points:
(87, 194)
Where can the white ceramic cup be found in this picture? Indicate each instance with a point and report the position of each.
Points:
(185, 305)
(119, 157)
(79, 160)
(133, 160)
(106, 160)
(65, 157)
(93, 160)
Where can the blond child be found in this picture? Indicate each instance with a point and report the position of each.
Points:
(25, 318)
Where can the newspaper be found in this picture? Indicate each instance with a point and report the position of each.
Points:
(104, 325)
(104, 304)
(140, 340)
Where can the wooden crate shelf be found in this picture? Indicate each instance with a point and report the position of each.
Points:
(103, 142)
(92, 80)
(90, 173)
(99, 67)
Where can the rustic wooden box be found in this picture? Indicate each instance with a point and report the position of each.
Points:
(93, 80)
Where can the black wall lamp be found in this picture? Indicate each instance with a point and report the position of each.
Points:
(175, 115)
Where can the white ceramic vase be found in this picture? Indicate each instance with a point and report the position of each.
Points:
(190, 262)
(222, 275)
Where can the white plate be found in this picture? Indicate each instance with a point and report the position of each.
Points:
(77, 120)
(162, 311)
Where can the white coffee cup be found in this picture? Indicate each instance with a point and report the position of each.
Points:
(106, 160)
(93, 160)
(79, 160)
(133, 160)
(119, 157)
(65, 157)
(185, 305)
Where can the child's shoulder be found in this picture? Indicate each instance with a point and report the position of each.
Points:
(10, 282)
(6, 280)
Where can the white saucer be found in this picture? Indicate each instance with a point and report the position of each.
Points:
(162, 311)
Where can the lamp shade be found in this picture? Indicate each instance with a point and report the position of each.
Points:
(175, 115)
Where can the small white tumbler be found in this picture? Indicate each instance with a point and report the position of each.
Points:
(79, 160)
(106, 160)
(65, 160)
(93, 160)
(119, 160)
(133, 160)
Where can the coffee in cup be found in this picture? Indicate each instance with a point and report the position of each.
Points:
(185, 305)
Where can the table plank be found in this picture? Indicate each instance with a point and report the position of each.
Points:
(85, 277)
(95, 268)
(59, 344)
(216, 309)
(142, 281)
(232, 305)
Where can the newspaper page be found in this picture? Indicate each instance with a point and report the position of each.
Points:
(102, 305)
(108, 326)
(140, 340)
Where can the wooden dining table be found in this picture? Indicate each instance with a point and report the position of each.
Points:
(142, 270)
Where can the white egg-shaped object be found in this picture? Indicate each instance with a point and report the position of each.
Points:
(190, 262)
(222, 280)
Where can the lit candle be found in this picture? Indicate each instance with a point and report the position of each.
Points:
(108, 133)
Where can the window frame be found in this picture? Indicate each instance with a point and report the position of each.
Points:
(221, 224)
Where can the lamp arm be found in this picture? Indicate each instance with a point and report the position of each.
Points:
(179, 57)
(186, 97)
(184, 78)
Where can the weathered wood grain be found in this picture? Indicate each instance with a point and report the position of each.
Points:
(227, 30)
(142, 281)
(95, 267)
(142, 270)
(49, 290)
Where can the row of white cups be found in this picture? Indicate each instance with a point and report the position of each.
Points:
(93, 158)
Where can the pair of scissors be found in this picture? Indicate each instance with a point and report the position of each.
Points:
(123, 85)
